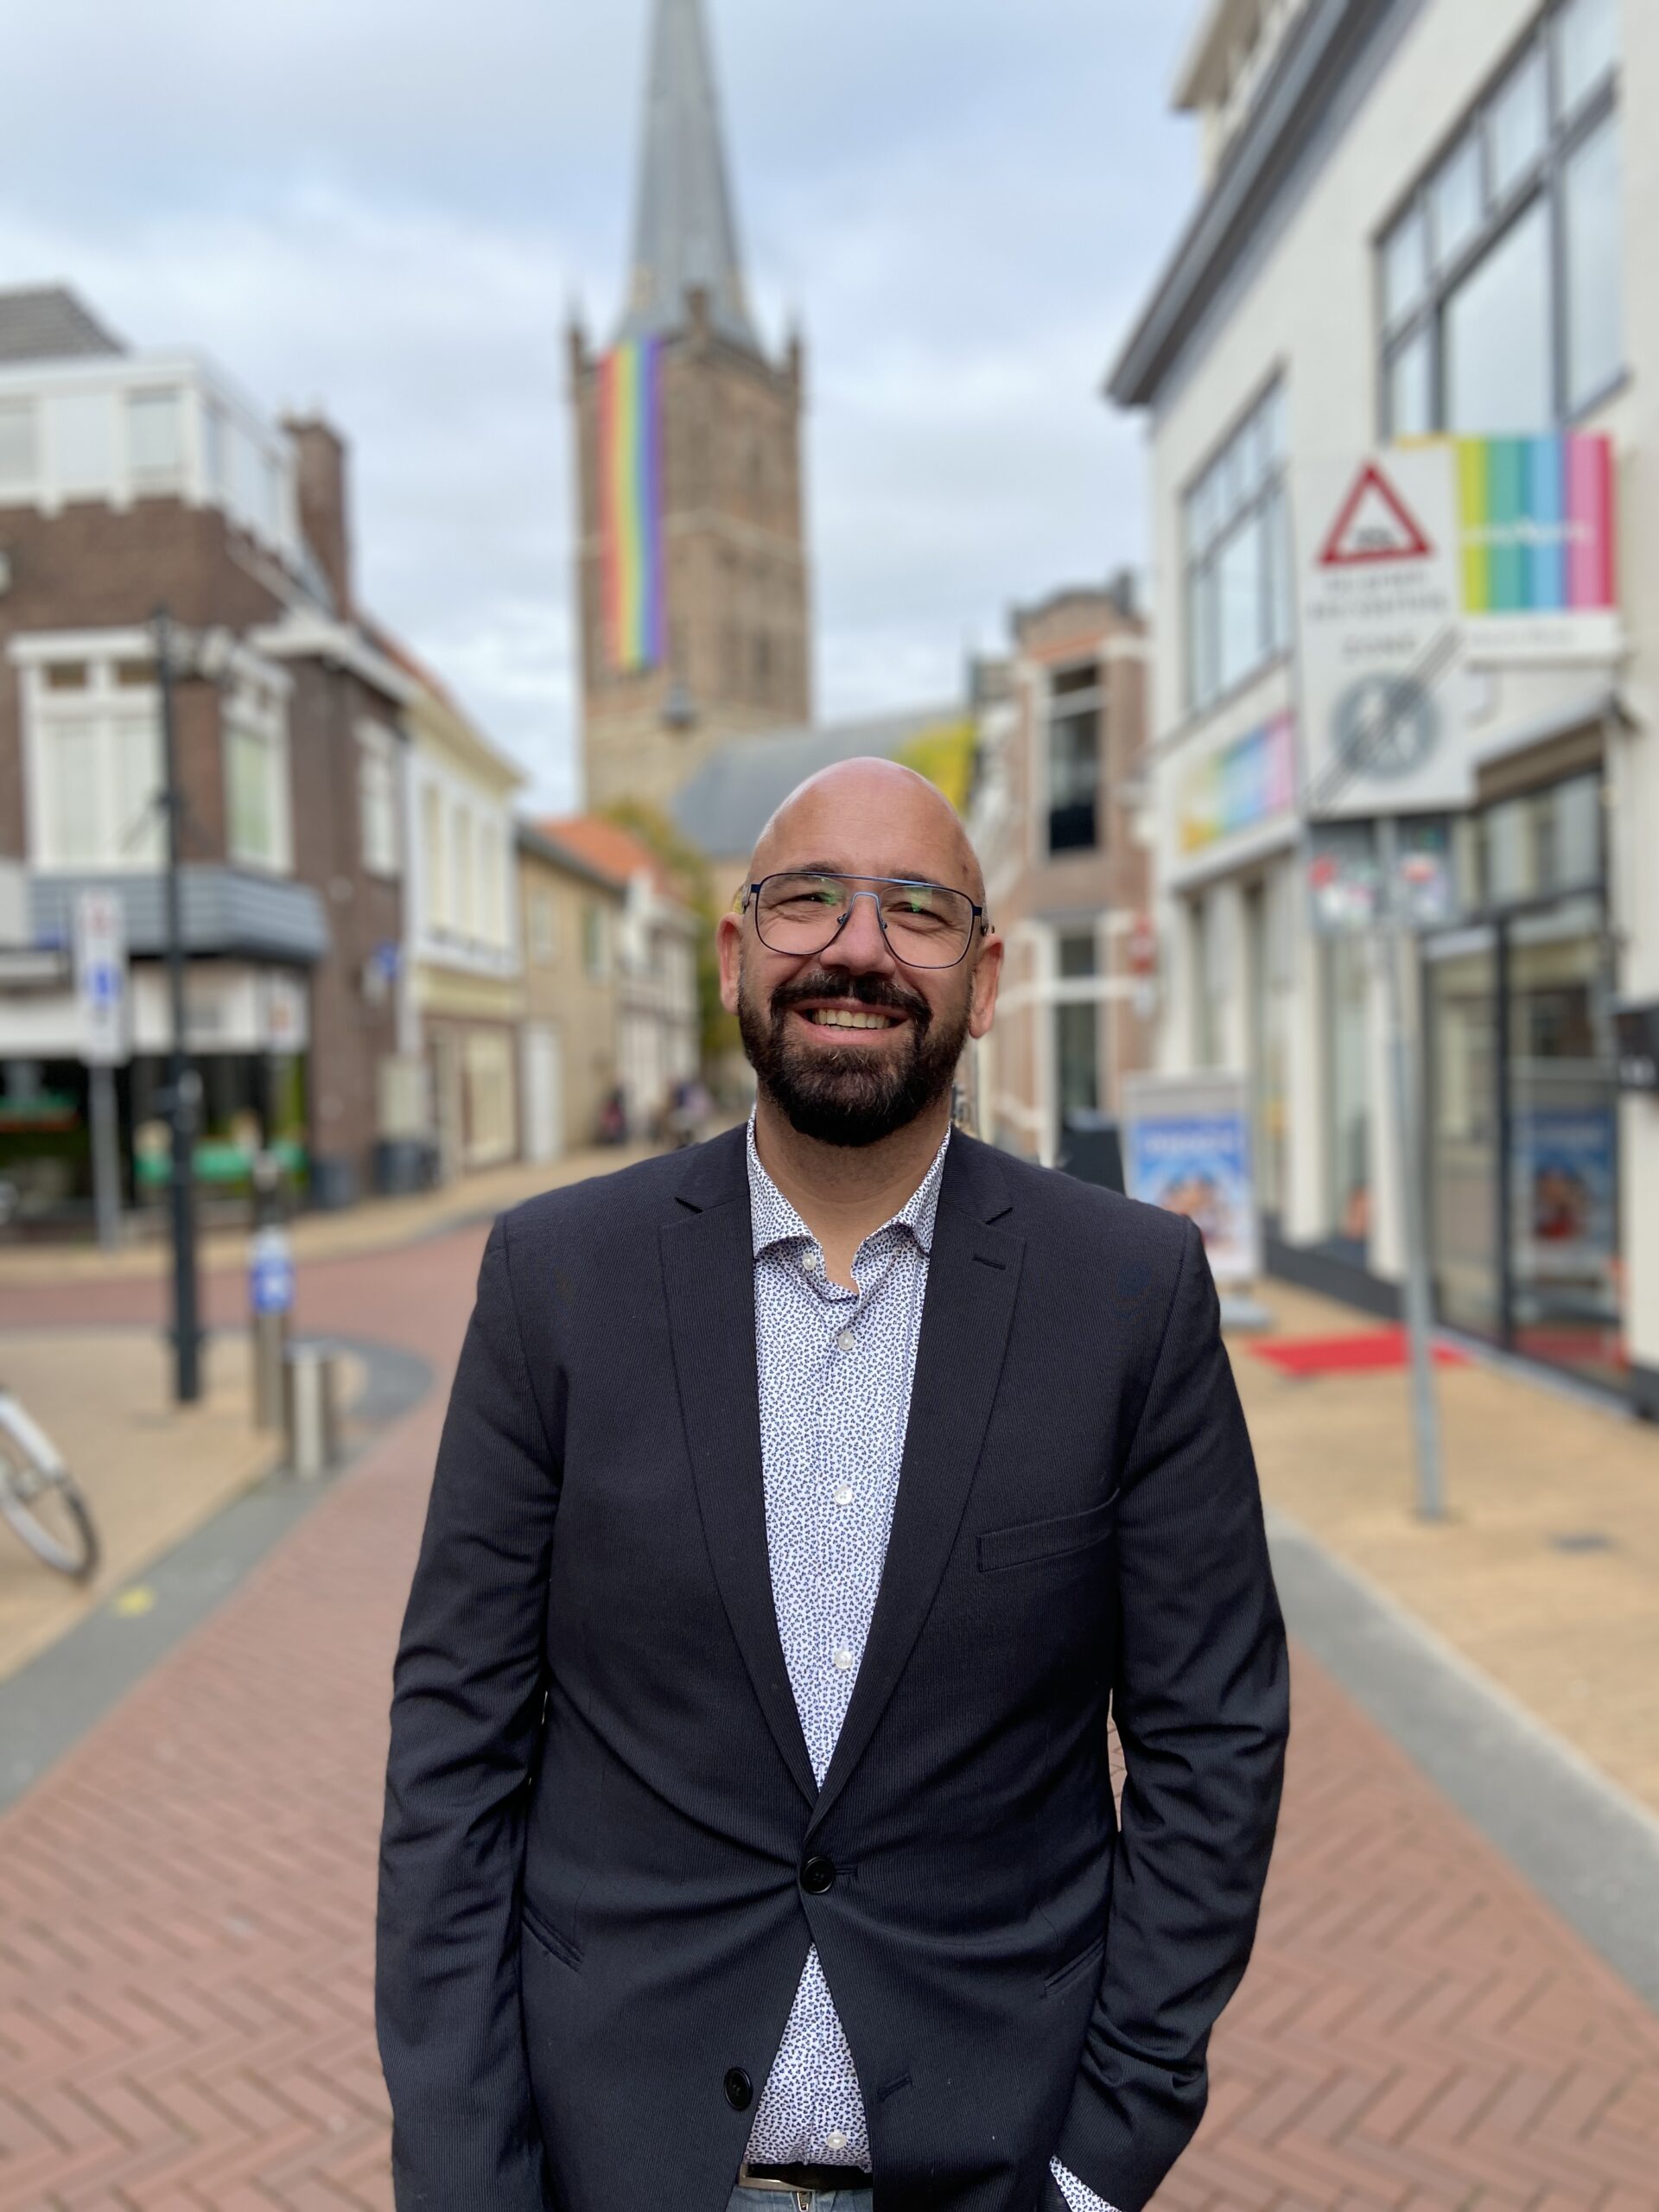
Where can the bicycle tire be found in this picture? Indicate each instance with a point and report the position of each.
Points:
(30, 1471)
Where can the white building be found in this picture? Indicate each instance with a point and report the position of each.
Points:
(1418, 217)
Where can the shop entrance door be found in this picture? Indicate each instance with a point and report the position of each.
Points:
(1523, 1136)
(1460, 983)
(1563, 1132)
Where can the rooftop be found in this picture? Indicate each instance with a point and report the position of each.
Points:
(725, 805)
(46, 322)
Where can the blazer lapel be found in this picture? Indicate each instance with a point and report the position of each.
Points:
(973, 1278)
(708, 1277)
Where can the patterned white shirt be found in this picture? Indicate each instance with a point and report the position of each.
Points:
(836, 1370)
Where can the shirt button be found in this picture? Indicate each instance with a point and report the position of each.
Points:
(845, 1340)
(812, 1264)
(834, 2140)
(843, 1660)
(843, 1493)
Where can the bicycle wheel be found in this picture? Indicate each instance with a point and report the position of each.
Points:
(39, 1500)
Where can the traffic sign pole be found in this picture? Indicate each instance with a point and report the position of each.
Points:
(184, 1085)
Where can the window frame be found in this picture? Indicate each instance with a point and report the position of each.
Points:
(100, 703)
(1211, 520)
(1543, 178)
(378, 764)
(259, 712)
(1073, 702)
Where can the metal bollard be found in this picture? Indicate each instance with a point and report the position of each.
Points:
(311, 1408)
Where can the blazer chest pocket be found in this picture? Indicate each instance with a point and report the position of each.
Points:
(1034, 1543)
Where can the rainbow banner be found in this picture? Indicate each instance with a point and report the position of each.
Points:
(1243, 785)
(631, 505)
(1535, 517)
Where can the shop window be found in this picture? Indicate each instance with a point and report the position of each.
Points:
(1238, 578)
(491, 1122)
(1077, 1029)
(1074, 744)
(1212, 974)
(1501, 281)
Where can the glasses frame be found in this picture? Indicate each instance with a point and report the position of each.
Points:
(980, 922)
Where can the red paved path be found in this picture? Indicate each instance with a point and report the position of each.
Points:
(186, 1907)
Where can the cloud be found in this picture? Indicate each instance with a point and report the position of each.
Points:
(388, 210)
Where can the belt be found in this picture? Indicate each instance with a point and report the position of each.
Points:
(820, 2180)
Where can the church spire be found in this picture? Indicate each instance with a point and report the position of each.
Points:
(685, 237)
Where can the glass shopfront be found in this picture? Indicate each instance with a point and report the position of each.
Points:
(1522, 1090)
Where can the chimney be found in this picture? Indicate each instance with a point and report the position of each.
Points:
(320, 464)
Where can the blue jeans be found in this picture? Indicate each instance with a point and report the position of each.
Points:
(801, 2200)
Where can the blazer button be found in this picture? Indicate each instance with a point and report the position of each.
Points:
(740, 2090)
(818, 1876)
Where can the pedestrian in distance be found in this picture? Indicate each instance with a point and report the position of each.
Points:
(805, 1501)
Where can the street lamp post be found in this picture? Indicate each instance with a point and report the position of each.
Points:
(184, 1085)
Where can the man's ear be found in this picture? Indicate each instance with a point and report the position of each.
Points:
(728, 943)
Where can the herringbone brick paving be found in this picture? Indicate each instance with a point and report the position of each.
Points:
(185, 1909)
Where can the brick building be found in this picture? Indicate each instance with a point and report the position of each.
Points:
(734, 653)
(129, 481)
(1056, 821)
(571, 913)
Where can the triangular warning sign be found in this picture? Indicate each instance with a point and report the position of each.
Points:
(1375, 525)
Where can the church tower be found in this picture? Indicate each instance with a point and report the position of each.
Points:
(692, 567)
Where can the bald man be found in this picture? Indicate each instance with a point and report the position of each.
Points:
(805, 1502)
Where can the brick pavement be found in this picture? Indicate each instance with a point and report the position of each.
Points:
(186, 1905)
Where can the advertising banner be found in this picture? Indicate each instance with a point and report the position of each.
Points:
(1188, 1150)
(1381, 638)
(1564, 1167)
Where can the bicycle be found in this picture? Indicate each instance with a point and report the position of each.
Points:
(38, 1497)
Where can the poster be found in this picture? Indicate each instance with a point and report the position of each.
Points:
(1564, 1191)
(1187, 1149)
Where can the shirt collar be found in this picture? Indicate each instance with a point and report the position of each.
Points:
(773, 1220)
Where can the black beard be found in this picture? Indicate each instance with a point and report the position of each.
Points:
(849, 1096)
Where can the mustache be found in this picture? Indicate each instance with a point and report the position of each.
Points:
(872, 991)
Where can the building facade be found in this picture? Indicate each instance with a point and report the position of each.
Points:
(650, 964)
(570, 923)
(1056, 822)
(129, 480)
(463, 988)
(691, 566)
(1422, 219)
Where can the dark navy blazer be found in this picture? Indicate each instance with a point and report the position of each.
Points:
(600, 1809)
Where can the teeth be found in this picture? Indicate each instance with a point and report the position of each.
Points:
(843, 1018)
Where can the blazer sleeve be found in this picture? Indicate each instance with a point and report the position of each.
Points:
(1201, 1700)
(468, 1690)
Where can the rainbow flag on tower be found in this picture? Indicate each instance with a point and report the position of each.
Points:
(631, 505)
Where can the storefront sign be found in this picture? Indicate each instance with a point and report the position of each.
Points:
(1381, 635)
(101, 978)
(1536, 528)
(1240, 786)
(1188, 1150)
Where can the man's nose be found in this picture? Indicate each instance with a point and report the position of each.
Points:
(859, 945)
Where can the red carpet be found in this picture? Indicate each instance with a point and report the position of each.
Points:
(1349, 1355)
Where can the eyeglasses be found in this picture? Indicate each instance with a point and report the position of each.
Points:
(924, 925)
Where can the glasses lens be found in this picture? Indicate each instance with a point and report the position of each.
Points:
(928, 925)
(800, 914)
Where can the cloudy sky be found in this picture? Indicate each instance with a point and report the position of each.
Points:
(389, 210)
